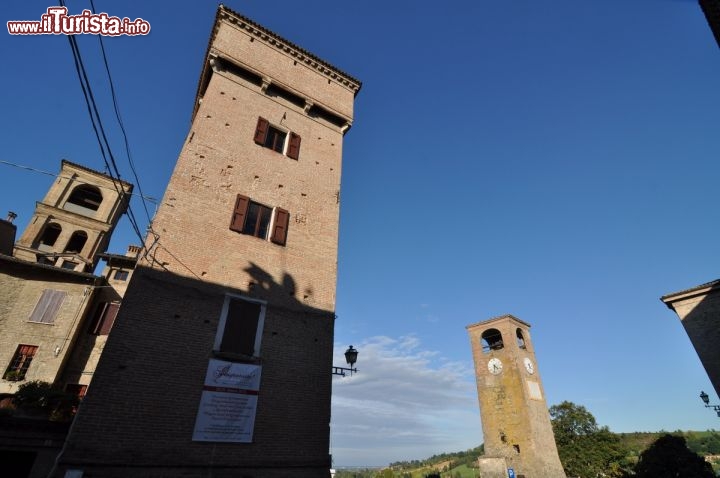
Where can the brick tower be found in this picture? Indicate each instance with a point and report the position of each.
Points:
(220, 362)
(516, 424)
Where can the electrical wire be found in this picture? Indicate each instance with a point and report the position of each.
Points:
(120, 122)
(96, 121)
(48, 173)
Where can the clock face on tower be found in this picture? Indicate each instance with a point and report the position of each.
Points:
(529, 366)
(495, 366)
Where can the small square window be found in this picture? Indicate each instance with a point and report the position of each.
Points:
(76, 389)
(257, 220)
(121, 275)
(240, 330)
(275, 139)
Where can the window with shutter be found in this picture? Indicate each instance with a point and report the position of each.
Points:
(76, 389)
(240, 330)
(277, 139)
(48, 306)
(18, 367)
(255, 219)
(104, 318)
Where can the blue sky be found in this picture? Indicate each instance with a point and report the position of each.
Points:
(556, 161)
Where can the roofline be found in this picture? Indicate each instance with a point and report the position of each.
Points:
(499, 317)
(46, 267)
(669, 299)
(117, 257)
(90, 170)
(261, 32)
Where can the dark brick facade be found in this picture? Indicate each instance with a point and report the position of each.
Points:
(711, 9)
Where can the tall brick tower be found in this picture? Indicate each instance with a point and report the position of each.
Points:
(220, 362)
(516, 424)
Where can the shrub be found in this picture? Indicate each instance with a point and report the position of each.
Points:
(37, 396)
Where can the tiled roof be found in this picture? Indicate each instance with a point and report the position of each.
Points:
(712, 284)
(85, 168)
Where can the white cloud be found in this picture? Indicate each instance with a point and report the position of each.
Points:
(405, 403)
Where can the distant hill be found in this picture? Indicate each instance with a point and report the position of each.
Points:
(463, 464)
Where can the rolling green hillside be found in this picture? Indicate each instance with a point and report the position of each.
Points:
(463, 464)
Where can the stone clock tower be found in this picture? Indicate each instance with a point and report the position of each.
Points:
(515, 419)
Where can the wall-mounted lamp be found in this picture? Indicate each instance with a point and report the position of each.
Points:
(706, 399)
(350, 357)
(57, 350)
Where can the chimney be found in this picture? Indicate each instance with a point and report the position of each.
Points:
(7, 234)
(133, 251)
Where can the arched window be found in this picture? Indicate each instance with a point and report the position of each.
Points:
(50, 234)
(76, 242)
(85, 196)
(520, 339)
(491, 340)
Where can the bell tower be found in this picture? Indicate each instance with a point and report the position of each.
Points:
(74, 222)
(515, 419)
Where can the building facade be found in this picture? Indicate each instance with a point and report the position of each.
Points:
(516, 423)
(220, 360)
(49, 291)
(55, 314)
(699, 311)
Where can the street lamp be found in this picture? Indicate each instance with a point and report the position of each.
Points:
(706, 398)
(350, 357)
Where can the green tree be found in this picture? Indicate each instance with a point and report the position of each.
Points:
(669, 457)
(42, 397)
(586, 450)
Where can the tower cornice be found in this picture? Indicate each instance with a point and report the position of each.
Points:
(274, 41)
(497, 319)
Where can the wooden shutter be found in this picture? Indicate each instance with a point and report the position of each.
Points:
(280, 227)
(96, 321)
(241, 327)
(108, 318)
(294, 146)
(238, 218)
(48, 306)
(261, 131)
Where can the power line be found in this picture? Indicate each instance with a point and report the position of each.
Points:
(120, 122)
(96, 121)
(48, 173)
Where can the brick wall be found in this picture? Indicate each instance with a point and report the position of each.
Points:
(699, 312)
(139, 414)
